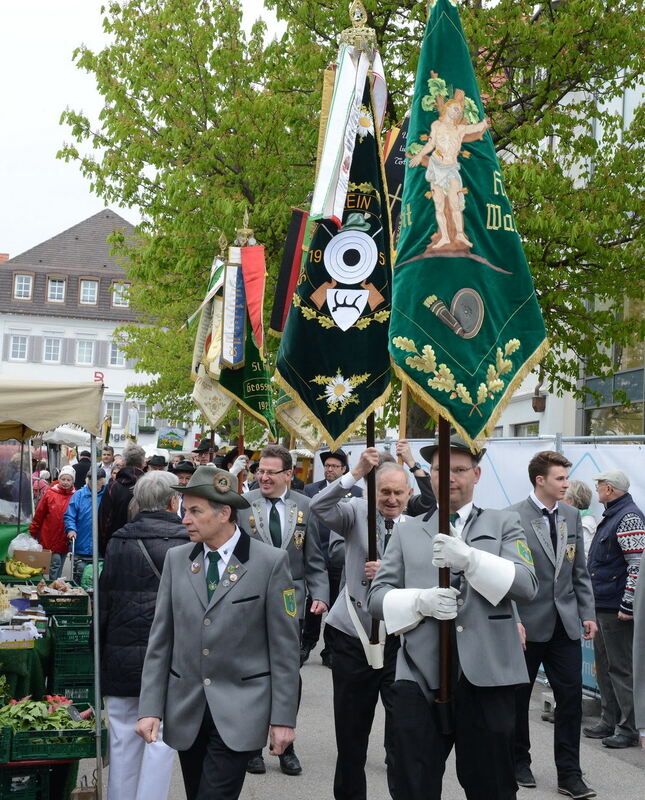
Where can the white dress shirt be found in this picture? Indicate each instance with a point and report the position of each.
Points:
(225, 551)
(281, 508)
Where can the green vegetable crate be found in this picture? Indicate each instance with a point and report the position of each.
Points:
(51, 745)
(73, 662)
(65, 604)
(5, 745)
(72, 630)
(79, 691)
(24, 783)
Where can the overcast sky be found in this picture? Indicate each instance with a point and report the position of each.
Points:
(41, 196)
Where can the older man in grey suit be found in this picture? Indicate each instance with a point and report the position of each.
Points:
(221, 668)
(281, 518)
(551, 622)
(491, 566)
(361, 671)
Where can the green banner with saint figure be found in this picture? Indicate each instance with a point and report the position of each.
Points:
(466, 326)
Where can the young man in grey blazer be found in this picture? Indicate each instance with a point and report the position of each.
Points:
(221, 668)
(551, 622)
(491, 566)
(281, 518)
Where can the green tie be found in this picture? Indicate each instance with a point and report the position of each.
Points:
(212, 576)
(275, 528)
(453, 519)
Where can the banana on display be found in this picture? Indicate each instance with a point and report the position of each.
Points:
(18, 569)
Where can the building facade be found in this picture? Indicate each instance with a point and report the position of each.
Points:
(60, 303)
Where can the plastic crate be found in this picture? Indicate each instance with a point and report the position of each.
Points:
(5, 745)
(73, 688)
(24, 783)
(71, 630)
(61, 604)
(52, 745)
(73, 662)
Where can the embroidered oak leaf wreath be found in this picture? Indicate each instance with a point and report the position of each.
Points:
(443, 380)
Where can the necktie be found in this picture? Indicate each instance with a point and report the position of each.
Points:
(212, 575)
(453, 519)
(275, 528)
(389, 524)
(552, 529)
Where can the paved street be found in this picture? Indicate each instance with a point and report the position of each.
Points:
(616, 775)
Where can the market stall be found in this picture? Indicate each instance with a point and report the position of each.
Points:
(37, 760)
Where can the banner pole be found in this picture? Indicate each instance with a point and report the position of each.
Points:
(370, 480)
(403, 415)
(240, 450)
(445, 626)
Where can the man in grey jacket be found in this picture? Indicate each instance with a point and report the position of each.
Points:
(358, 679)
(221, 668)
(491, 565)
(551, 622)
(281, 518)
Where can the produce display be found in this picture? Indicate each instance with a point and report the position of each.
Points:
(58, 587)
(18, 569)
(51, 713)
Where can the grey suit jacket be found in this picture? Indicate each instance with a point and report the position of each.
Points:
(565, 586)
(239, 652)
(348, 519)
(639, 652)
(488, 644)
(299, 539)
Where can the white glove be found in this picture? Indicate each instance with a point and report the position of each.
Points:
(438, 603)
(451, 551)
(240, 464)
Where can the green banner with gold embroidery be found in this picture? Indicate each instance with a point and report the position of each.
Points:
(466, 326)
(333, 361)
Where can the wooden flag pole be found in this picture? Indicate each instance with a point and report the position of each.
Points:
(370, 479)
(240, 450)
(445, 626)
(403, 412)
(403, 416)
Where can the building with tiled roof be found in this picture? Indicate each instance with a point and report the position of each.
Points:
(60, 303)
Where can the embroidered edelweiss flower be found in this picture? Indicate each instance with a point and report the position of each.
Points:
(337, 390)
(222, 483)
(365, 123)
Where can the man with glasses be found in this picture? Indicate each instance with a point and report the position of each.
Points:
(281, 518)
(491, 566)
(614, 564)
(551, 622)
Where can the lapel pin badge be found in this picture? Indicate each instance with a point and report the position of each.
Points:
(195, 567)
(233, 577)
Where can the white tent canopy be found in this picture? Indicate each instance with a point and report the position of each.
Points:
(65, 434)
(31, 407)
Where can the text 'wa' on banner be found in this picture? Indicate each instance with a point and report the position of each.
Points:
(466, 326)
(333, 361)
(229, 365)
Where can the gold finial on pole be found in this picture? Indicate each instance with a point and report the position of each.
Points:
(245, 234)
(359, 35)
(222, 245)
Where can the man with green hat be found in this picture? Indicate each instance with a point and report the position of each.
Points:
(222, 662)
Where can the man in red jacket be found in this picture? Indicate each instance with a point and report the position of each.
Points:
(47, 525)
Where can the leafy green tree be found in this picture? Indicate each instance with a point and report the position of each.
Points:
(202, 121)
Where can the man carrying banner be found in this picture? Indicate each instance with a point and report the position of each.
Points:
(491, 565)
(361, 671)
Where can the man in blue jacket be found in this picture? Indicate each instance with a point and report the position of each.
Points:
(614, 563)
(78, 522)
